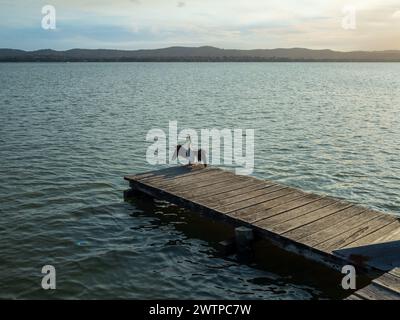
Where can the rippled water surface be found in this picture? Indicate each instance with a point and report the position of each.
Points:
(70, 132)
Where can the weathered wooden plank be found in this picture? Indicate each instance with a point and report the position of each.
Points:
(269, 210)
(354, 297)
(161, 181)
(294, 213)
(385, 287)
(395, 272)
(215, 198)
(323, 223)
(373, 292)
(394, 235)
(275, 212)
(223, 200)
(269, 201)
(312, 216)
(380, 235)
(357, 231)
(203, 186)
(268, 194)
(225, 203)
(170, 173)
(389, 282)
(149, 174)
(321, 238)
(260, 211)
(186, 180)
(192, 184)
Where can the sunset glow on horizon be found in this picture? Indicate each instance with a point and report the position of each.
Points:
(253, 24)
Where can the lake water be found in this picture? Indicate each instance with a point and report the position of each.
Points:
(70, 132)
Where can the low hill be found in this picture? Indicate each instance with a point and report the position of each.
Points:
(196, 54)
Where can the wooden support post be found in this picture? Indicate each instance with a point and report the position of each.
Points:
(244, 237)
(227, 247)
(129, 193)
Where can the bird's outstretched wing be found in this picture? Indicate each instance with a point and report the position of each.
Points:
(181, 151)
(202, 156)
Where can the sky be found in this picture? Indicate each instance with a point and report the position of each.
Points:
(244, 24)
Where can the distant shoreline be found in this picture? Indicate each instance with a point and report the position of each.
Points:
(198, 54)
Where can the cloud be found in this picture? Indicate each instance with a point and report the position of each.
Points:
(223, 23)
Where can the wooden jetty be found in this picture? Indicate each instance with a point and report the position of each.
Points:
(385, 287)
(322, 228)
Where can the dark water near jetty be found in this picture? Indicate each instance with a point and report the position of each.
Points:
(70, 132)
